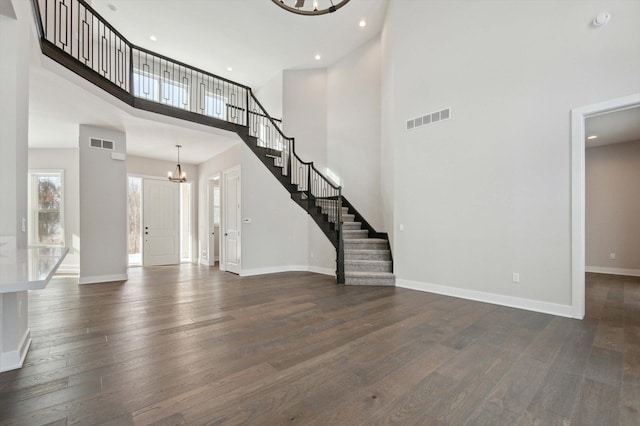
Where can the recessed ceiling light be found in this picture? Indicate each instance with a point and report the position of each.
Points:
(363, 23)
(153, 38)
(229, 69)
(592, 137)
(318, 56)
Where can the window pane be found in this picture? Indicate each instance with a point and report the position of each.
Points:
(49, 227)
(134, 197)
(49, 192)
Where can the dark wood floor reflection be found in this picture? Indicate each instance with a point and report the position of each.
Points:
(191, 345)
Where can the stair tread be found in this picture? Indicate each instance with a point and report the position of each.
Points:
(366, 261)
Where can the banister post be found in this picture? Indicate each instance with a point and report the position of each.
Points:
(309, 167)
(340, 252)
(247, 106)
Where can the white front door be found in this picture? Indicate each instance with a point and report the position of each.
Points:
(161, 222)
(231, 206)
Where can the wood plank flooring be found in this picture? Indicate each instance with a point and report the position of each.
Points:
(190, 345)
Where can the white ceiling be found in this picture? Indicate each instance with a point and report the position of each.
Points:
(254, 37)
(613, 127)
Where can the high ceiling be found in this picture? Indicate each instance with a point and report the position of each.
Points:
(255, 38)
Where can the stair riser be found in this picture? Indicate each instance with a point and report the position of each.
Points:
(383, 257)
(349, 235)
(371, 281)
(345, 217)
(368, 267)
(352, 226)
(365, 246)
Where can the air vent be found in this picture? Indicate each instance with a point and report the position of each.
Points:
(102, 144)
(431, 118)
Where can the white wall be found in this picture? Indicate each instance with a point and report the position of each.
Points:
(304, 113)
(276, 238)
(207, 170)
(612, 179)
(487, 193)
(68, 161)
(270, 96)
(15, 48)
(103, 208)
(15, 45)
(149, 168)
(353, 128)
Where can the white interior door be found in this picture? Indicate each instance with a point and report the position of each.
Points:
(231, 206)
(161, 222)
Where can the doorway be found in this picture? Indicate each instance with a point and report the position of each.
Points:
(159, 221)
(231, 213)
(578, 149)
(213, 249)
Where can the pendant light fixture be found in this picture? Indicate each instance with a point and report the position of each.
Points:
(314, 7)
(178, 175)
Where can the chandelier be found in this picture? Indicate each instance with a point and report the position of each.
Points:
(178, 175)
(313, 8)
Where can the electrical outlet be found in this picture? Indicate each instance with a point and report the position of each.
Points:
(516, 277)
(612, 256)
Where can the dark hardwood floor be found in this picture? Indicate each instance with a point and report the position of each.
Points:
(191, 345)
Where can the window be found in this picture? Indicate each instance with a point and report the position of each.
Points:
(215, 106)
(169, 92)
(46, 218)
(134, 203)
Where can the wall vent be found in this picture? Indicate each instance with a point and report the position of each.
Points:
(431, 118)
(102, 144)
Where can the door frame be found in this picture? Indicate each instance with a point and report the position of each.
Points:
(578, 213)
(223, 227)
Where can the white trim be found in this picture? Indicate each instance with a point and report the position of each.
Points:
(68, 270)
(322, 270)
(578, 116)
(203, 261)
(11, 360)
(103, 279)
(496, 299)
(613, 271)
(286, 268)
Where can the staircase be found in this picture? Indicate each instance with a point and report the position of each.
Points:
(76, 36)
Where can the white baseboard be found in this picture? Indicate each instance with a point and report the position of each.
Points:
(204, 262)
(102, 279)
(11, 360)
(496, 299)
(68, 270)
(613, 271)
(286, 268)
(322, 270)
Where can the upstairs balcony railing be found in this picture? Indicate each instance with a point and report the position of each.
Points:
(134, 73)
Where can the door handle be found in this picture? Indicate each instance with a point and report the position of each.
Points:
(213, 233)
(226, 235)
(146, 227)
(146, 233)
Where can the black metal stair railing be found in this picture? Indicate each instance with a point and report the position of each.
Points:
(75, 35)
